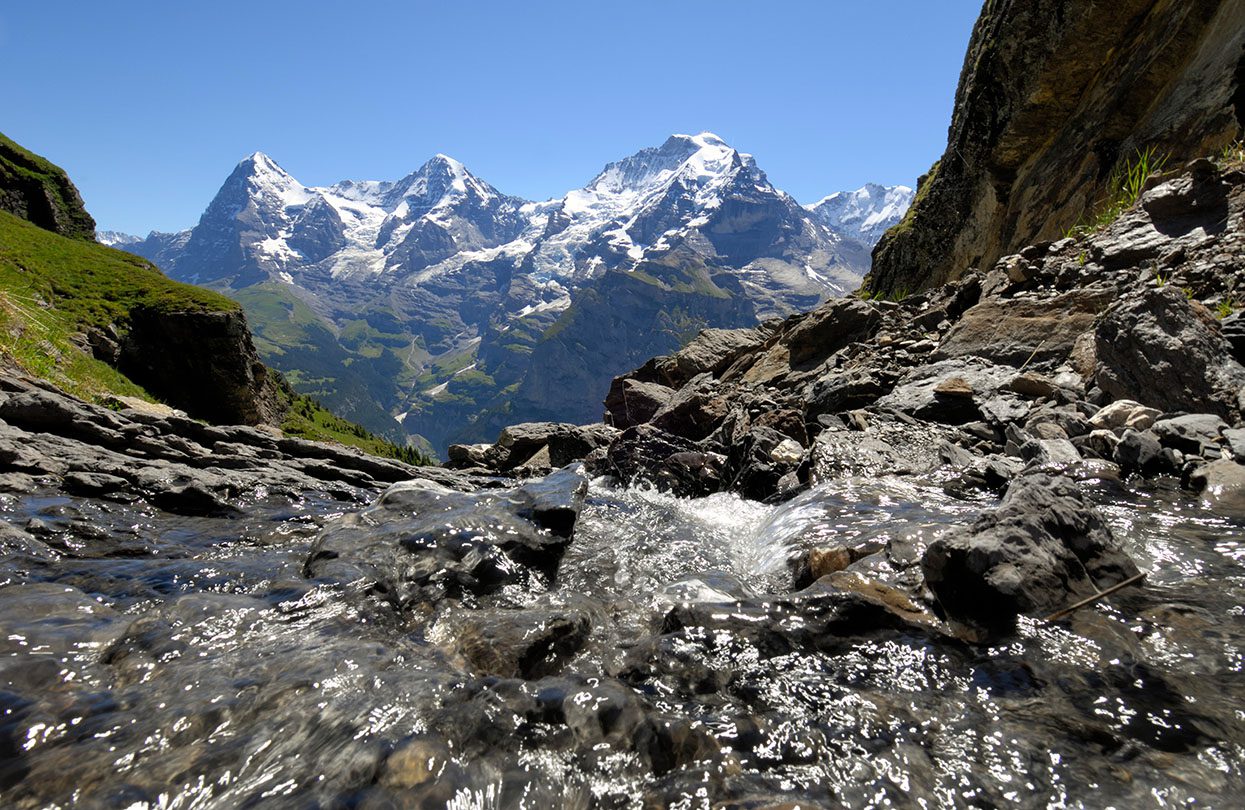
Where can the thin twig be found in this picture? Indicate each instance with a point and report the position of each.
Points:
(1059, 614)
(1035, 351)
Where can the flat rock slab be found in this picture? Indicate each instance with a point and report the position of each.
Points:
(1015, 331)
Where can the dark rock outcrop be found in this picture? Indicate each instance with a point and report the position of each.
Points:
(202, 362)
(39, 191)
(177, 464)
(1053, 96)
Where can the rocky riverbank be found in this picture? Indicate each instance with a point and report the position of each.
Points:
(137, 452)
(1093, 359)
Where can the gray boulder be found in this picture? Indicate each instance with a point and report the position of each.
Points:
(633, 402)
(1157, 347)
(1196, 434)
(949, 391)
(1042, 548)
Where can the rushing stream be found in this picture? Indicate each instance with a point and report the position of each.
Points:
(156, 661)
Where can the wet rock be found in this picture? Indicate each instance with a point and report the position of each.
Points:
(583, 714)
(1098, 444)
(1222, 486)
(1235, 437)
(816, 563)
(526, 644)
(1043, 547)
(53, 618)
(17, 541)
(1140, 452)
(194, 500)
(1157, 347)
(15, 482)
(759, 459)
(1193, 434)
(990, 474)
(645, 454)
(633, 402)
(827, 616)
(882, 446)
(415, 763)
(88, 483)
(420, 542)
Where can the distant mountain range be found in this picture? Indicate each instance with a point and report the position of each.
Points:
(438, 306)
(864, 214)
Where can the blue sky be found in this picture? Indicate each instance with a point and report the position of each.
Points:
(149, 105)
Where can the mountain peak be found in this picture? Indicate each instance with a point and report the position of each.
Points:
(260, 162)
(443, 159)
(440, 177)
(702, 140)
(696, 157)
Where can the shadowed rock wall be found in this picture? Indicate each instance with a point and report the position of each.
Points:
(1053, 95)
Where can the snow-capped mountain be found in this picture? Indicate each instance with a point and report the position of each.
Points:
(697, 195)
(116, 239)
(264, 225)
(435, 295)
(864, 214)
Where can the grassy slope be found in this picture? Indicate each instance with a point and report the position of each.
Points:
(52, 288)
(293, 338)
(308, 419)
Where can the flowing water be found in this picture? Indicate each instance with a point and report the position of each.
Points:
(155, 661)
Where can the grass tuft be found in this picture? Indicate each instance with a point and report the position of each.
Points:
(1124, 187)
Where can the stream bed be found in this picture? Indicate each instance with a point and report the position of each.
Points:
(155, 661)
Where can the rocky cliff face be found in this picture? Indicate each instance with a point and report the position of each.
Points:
(37, 190)
(1053, 96)
(203, 362)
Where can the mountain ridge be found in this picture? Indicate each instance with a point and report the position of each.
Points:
(447, 286)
